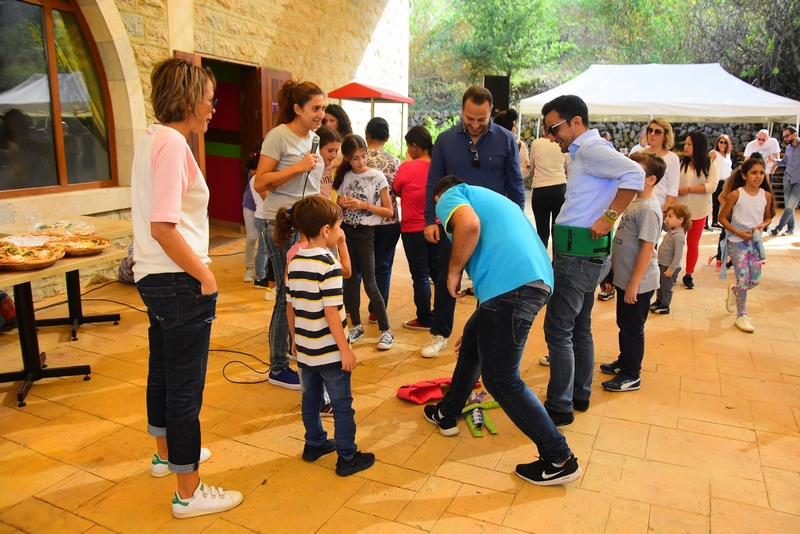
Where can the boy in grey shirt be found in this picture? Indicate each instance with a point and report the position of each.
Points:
(678, 220)
(634, 273)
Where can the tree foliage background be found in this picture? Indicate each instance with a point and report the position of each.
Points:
(543, 43)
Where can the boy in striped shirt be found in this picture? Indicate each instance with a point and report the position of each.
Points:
(316, 316)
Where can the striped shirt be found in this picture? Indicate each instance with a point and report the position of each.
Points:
(314, 281)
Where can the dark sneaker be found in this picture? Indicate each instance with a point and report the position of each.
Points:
(621, 383)
(373, 319)
(326, 411)
(261, 283)
(688, 283)
(359, 462)
(447, 427)
(655, 305)
(660, 310)
(313, 453)
(414, 324)
(580, 405)
(774, 231)
(606, 296)
(610, 368)
(356, 333)
(544, 473)
(285, 378)
(544, 360)
(560, 418)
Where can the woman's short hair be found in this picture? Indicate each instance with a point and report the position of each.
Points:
(177, 85)
(669, 135)
(378, 129)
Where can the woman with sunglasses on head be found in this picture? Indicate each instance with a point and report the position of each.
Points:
(698, 182)
(722, 156)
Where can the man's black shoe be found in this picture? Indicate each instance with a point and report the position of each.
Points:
(580, 405)
(544, 473)
(560, 418)
(447, 427)
(359, 462)
(312, 453)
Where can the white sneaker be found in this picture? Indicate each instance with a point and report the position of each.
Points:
(743, 323)
(544, 360)
(159, 468)
(386, 341)
(433, 346)
(248, 276)
(206, 500)
(730, 304)
(270, 294)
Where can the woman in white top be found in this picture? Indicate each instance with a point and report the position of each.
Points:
(698, 182)
(169, 210)
(289, 171)
(660, 139)
(722, 157)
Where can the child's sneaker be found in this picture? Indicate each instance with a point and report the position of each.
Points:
(544, 473)
(660, 310)
(248, 276)
(414, 324)
(545, 360)
(359, 462)
(743, 323)
(206, 500)
(313, 453)
(610, 368)
(621, 383)
(326, 411)
(434, 345)
(606, 296)
(159, 468)
(688, 281)
(386, 341)
(730, 303)
(655, 305)
(373, 319)
(356, 333)
(258, 284)
(447, 427)
(270, 294)
(285, 378)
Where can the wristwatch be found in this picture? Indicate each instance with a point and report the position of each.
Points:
(611, 215)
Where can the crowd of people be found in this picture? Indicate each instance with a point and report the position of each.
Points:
(321, 208)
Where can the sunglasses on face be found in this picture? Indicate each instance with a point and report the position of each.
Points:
(554, 128)
(657, 131)
(788, 136)
(476, 159)
(213, 102)
(762, 139)
(723, 142)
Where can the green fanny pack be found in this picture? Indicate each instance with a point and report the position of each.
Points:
(577, 241)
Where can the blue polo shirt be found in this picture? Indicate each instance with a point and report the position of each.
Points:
(499, 170)
(509, 253)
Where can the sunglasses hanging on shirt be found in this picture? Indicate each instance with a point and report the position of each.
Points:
(476, 159)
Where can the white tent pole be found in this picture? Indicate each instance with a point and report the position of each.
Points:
(536, 133)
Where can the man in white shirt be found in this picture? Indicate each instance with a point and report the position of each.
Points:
(767, 146)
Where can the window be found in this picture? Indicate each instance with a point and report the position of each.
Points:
(48, 69)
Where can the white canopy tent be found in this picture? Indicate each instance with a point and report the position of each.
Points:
(688, 93)
(33, 96)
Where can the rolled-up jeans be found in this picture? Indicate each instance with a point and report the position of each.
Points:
(279, 324)
(568, 328)
(493, 344)
(179, 336)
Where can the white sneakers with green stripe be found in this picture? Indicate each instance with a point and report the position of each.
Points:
(159, 468)
(206, 500)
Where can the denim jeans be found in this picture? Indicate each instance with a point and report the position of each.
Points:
(791, 197)
(337, 382)
(361, 245)
(261, 251)
(630, 320)
(386, 237)
(279, 325)
(568, 328)
(423, 263)
(492, 346)
(179, 335)
(251, 240)
(444, 305)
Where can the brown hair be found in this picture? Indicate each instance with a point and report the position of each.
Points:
(730, 146)
(681, 211)
(176, 85)
(292, 93)
(737, 180)
(653, 164)
(327, 135)
(478, 95)
(308, 216)
(349, 146)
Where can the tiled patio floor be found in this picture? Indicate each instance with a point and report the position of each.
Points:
(709, 444)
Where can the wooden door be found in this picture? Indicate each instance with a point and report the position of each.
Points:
(271, 81)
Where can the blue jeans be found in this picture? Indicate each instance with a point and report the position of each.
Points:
(423, 263)
(179, 335)
(568, 328)
(337, 382)
(279, 325)
(444, 305)
(791, 197)
(261, 251)
(386, 236)
(492, 346)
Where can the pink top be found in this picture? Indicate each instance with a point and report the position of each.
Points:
(293, 251)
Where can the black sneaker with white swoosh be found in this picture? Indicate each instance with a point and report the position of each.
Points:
(544, 473)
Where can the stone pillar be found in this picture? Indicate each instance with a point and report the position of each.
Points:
(180, 25)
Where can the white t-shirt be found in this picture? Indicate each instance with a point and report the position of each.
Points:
(367, 187)
(285, 147)
(724, 165)
(166, 186)
(668, 186)
(548, 163)
(769, 148)
(259, 211)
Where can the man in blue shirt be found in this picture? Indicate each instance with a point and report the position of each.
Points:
(602, 182)
(791, 181)
(480, 153)
(509, 266)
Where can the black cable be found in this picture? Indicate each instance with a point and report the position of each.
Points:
(122, 303)
(246, 365)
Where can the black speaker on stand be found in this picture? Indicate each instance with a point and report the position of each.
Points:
(500, 87)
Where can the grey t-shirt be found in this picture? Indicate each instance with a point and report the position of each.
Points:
(282, 145)
(670, 251)
(642, 220)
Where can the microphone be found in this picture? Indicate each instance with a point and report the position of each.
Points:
(314, 147)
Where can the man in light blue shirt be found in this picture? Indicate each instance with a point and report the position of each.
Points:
(791, 181)
(602, 182)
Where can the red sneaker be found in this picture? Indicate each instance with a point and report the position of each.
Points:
(373, 318)
(413, 324)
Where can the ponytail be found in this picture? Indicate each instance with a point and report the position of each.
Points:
(284, 227)
(292, 93)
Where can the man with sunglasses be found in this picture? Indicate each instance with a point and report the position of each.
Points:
(602, 182)
(765, 145)
(791, 181)
(480, 153)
